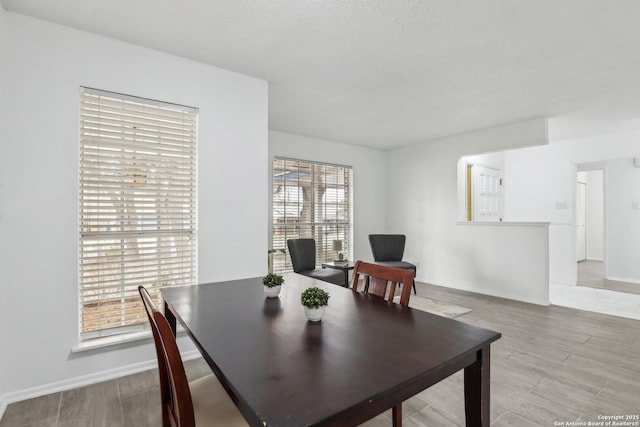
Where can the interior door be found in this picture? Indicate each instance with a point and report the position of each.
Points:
(487, 191)
(581, 222)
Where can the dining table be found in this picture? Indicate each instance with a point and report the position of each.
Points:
(364, 357)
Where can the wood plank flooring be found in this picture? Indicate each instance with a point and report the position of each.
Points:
(552, 364)
(591, 274)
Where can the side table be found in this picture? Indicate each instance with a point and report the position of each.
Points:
(345, 267)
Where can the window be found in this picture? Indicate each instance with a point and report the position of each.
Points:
(137, 206)
(311, 200)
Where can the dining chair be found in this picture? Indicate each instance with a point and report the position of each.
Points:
(382, 281)
(303, 258)
(203, 402)
(388, 249)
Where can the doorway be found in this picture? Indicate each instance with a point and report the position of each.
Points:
(590, 239)
(590, 201)
(581, 221)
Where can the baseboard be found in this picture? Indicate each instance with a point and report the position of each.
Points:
(622, 279)
(81, 381)
(492, 294)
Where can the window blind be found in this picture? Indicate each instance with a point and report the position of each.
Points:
(311, 200)
(137, 206)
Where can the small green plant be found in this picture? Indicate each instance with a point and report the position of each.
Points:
(272, 279)
(314, 297)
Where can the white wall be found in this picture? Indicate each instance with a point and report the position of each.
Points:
(531, 188)
(542, 179)
(508, 260)
(422, 195)
(623, 220)
(369, 179)
(532, 193)
(542, 187)
(43, 66)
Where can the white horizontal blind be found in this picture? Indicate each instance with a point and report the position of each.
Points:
(311, 200)
(137, 206)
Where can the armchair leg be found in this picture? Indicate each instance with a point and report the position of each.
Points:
(415, 292)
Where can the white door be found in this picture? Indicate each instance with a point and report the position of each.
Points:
(486, 190)
(581, 222)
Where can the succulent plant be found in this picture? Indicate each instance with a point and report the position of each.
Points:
(272, 279)
(314, 297)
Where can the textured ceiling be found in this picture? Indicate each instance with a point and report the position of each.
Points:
(387, 73)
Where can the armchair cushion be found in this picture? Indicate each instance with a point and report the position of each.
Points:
(398, 264)
(327, 275)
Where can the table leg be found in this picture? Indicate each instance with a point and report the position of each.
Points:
(396, 415)
(170, 318)
(476, 390)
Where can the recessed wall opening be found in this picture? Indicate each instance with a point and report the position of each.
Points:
(606, 218)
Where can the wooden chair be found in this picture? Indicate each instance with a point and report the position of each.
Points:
(382, 281)
(203, 402)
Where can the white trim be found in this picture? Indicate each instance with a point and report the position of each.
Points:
(115, 340)
(81, 381)
(623, 279)
(505, 223)
(492, 293)
(111, 340)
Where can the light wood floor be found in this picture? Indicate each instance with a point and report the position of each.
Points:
(551, 364)
(591, 274)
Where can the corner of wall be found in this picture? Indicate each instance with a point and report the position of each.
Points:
(3, 405)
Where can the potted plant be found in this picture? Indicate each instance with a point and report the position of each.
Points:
(272, 284)
(314, 300)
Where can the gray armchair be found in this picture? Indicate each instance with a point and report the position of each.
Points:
(388, 249)
(303, 258)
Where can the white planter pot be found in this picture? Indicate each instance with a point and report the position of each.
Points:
(272, 292)
(314, 314)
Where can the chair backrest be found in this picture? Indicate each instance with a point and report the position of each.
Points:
(303, 254)
(175, 395)
(387, 247)
(381, 281)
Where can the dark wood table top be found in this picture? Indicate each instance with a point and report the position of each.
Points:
(365, 356)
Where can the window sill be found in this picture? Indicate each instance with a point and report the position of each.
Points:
(116, 340)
